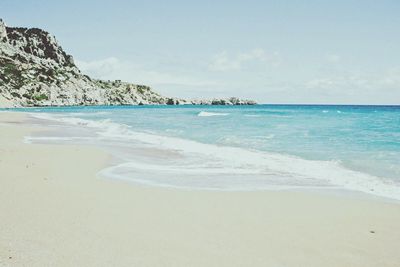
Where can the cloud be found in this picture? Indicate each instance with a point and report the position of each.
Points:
(101, 69)
(113, 68)
(357, 87)
(224, 62)
(385, 80)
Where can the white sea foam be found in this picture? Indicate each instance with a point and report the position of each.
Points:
(209, 166)
(252, 115)
(210, 114)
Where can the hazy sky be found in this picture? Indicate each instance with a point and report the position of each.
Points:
(272, 51)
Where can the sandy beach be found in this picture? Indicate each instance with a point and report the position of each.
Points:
(55, 211)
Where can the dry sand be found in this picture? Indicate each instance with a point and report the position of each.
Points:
(54, 211)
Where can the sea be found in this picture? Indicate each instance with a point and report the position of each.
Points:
(238, 148)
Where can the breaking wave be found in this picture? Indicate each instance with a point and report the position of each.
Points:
(210, 114)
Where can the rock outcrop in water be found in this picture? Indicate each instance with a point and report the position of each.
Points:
(36, 71)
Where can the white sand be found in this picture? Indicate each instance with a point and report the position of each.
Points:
(54, 211)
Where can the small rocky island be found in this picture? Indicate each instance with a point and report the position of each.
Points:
(36, 71)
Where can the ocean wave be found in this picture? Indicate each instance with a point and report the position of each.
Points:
(224, 167)
(252, 115)
(210, 114)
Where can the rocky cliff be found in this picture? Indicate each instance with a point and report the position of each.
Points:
(36, 71)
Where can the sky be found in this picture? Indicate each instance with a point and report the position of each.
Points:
(310, 52)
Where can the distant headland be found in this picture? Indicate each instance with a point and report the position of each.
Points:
(36, 71)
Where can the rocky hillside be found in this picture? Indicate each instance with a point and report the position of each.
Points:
(36, 71)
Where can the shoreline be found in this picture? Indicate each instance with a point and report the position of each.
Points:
(55, 211)
(116, 160)
(328, 176)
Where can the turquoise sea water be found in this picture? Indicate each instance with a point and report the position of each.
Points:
(354, 147)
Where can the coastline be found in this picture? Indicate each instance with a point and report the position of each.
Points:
(55, 211)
